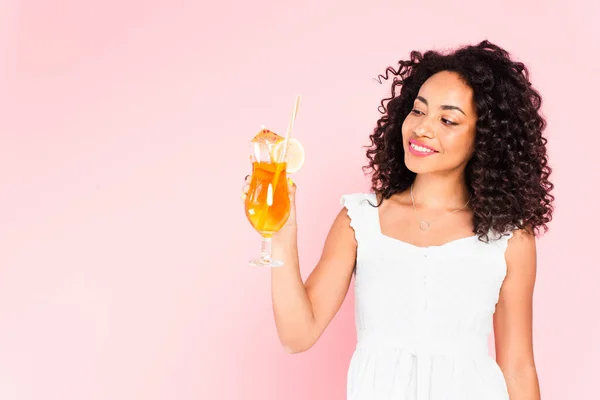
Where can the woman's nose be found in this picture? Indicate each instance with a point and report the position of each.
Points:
(424, 130)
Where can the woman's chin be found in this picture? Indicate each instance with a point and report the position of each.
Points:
(419, 165)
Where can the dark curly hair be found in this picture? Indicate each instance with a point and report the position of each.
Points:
(507, 176)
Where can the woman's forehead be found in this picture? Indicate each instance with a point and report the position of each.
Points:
(446, 88)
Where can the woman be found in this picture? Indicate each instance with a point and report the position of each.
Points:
(444, 248)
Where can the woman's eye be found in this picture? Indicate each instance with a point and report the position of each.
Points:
(417, 112)
(448, 122)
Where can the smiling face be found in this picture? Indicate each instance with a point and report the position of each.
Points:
(439, 133)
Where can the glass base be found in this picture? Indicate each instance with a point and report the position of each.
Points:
(261, 262)
(265, 259)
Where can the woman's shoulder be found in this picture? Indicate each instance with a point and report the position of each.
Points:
(355, 205)
(361, 211)
(358, 199)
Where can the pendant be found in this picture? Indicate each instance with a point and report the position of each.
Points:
(424, 225)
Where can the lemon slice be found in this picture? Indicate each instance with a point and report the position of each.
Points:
(294, 157)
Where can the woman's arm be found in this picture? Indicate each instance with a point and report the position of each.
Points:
(303, 310)
(513, 319)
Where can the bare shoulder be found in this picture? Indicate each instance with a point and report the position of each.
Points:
(522, 237)
(521, 252)
(341, 231)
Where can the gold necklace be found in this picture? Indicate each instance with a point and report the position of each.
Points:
(426, 225)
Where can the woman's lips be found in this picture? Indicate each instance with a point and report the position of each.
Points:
(419, 149)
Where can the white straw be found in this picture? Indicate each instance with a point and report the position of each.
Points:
(288, 132)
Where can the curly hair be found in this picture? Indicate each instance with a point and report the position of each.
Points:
(508, 174)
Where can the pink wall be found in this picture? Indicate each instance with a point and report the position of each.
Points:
(123, 130)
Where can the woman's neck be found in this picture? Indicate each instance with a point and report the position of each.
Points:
(440, 192)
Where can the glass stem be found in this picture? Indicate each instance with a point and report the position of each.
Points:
(265, 250)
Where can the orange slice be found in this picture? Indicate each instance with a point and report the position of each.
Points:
(266, 136)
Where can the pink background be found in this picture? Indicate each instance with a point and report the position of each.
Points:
(123, 130)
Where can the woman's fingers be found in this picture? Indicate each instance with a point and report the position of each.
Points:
(245, 188)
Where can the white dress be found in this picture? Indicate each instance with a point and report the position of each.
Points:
(423, 315)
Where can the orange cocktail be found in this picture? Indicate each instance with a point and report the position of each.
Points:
(267, 202)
